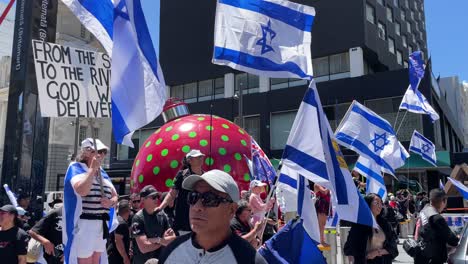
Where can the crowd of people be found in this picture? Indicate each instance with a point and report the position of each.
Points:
(204, 218)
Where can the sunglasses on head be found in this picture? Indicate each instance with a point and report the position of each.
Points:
(208, 199)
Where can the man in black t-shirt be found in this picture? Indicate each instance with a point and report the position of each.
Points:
(150, 228)
(48, 232)
(13, 240)
(120, 239)
(240, 224)
(193, 162)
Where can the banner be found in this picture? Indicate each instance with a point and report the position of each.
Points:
(72, 82)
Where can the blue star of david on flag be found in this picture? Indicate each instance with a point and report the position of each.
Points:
(426, 148)
(376, 139)
(264, 40)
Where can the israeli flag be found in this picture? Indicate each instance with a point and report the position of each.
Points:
(265, 37)
(313, 153)
(371, 136)
(138, 88)
(286, 190)
(304, 151)
(460, 187)
(424, 147)
(441, 184)
(372, 171)
(414, 101)
(306, 209)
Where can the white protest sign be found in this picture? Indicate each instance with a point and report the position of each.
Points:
(72, 82)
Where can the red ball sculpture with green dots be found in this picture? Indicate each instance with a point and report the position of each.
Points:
(160, 156)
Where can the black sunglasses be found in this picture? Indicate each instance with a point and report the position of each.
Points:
(208, 199)
(135, 201)
(102, 151)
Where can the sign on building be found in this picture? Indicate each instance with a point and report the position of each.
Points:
(72, 82)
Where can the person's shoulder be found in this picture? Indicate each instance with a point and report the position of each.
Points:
(243, 251)
(166, 251)
(20, 233)
(138, 216)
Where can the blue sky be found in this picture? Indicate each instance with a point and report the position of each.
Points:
(447, 37)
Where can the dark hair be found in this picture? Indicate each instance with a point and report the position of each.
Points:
(241, 206)
(186, 164)
(381, 221)
(369, 198)
(437, 196)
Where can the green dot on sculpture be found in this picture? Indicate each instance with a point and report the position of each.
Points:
(225, 126)
(209, 161)
(209, 128)
(203, 143)
(238, 156)
(246, 177)
(149, 157)
(200, 118)
(222, 151)
(175, 137)
(243, 142)
(157, 131)
(169, 183)
(174, 164)
(137, 163)
(141, 178)
(156, 170)
(227, 168)
(164, 152)
(148, 144)
(131, 183)
(224, 138)
(192, 134)
(186, 149)
(159, 141)
(169, 128)
(241, 131)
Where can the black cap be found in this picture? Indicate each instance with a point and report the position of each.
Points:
(123, 204)
(148, 190)
(9, 208)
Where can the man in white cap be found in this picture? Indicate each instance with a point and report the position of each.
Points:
(192, 164)
(89, 200)
(213, 201)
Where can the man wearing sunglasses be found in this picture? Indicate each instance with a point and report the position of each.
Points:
(150, 228)
(213, 201)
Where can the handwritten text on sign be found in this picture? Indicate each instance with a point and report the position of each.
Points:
(72, 82)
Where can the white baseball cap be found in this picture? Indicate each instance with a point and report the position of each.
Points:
(257, 183)
(218, 180)
(194, 153)
(89, 143)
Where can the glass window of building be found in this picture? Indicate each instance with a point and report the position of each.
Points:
(248, 82)
(413, 37)
(408, 26)
(219, 87)
(403, 15)
(370, 13)
(321, 66)
(395, 3)
(177, 91)
(83, 133)
(339, 63)
(389, 14)
(406, 4)
(205, 90)
(380, 2)
(404, 41)
(405, 64)
(412, 15)
(190, 92)
(281, 83)
(391, 45)
(382, 30)
(280, 126)
(410, 49)
(252, 126)
(399, 57)
(397, 28)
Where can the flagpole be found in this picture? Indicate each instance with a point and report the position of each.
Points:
(396, 119)
(402, 120)
(346, 115)
(93, 135)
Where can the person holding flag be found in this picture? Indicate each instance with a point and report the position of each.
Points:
(259, 208)
(89, 200)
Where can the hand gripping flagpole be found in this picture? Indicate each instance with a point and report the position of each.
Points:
(93, 135)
